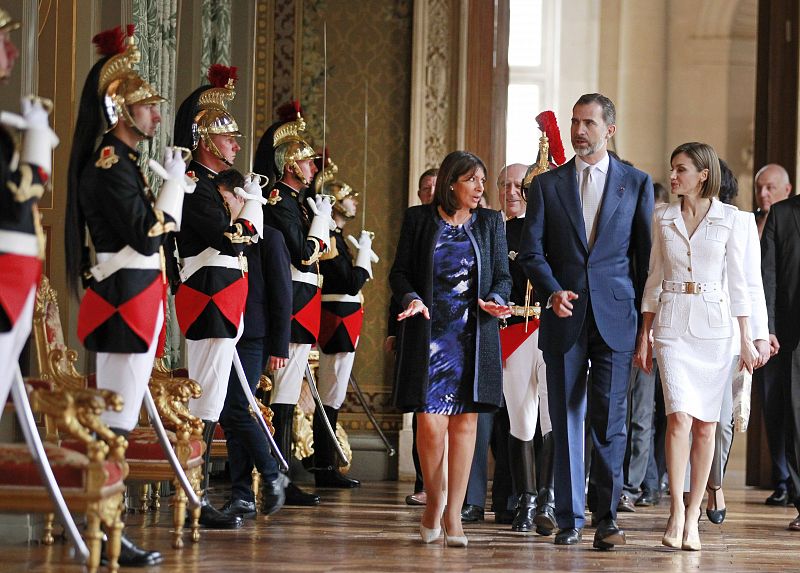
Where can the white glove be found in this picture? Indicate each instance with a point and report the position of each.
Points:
(321, 225)
(173, 172)
(39, 140)
(357, 244)
(253, 209)
(365, 256)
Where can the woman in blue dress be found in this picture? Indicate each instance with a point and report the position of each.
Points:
(450, 274)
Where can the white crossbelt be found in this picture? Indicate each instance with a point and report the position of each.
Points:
(17, 243)
(308, 278)
(210, 257)
(341, 298)
(691, 287)
(125, 258)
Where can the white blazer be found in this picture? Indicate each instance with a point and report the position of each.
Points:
(715, 251)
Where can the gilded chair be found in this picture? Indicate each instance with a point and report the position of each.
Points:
(90, 476)
(145, 456)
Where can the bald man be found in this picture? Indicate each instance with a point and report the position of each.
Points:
(771, 186)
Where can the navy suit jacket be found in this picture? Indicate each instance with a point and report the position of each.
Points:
(555, 253)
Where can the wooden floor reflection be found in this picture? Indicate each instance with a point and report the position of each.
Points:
(371, 529)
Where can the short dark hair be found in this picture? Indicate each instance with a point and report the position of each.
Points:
(432, 172)
(609, 111)
(702, 156)
(230, 179)
(456, 164)
(728, 185)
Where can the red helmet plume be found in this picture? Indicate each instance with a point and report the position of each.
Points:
(114, 41)
(219, 75)
(548, 124)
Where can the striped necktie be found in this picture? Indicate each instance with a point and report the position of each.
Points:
(590, 204)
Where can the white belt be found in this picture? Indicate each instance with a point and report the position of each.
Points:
(125, 258)
(341, 298)
(18, 243)
(308, 278)
(691, 287)
(210, 257)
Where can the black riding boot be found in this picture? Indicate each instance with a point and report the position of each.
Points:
(282, 421)
(210, 517)
(546, 500)
(521, 462)
(130, 554)
(326, 467)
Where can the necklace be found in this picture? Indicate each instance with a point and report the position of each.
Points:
(456, 219)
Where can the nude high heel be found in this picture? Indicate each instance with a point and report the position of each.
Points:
(691, 542)
(429, 535)
(453, 540)
(674, 542)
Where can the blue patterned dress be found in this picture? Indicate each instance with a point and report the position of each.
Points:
(451, 372)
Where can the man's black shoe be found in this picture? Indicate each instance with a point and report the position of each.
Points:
(648, 499)
(273, 494)
(332, 477)
(212, 518)
(241, 508)
(296, 496)
(779, 497)
(545, 520)
(504, 517)
(131, 555)
(569, 536)
(471, 513)
(608, 535)
(625, 504)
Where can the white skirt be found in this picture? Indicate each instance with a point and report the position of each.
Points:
(694, 374)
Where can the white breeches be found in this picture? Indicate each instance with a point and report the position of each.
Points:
(525, 390)
(127, 374)
(333, 377)
(288, 381)
(210, 361)
(11, 344)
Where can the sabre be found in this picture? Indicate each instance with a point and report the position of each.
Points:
(155, 419)
(366, 139)
(324, 88)
(26, 421)
(389, 448)
(276, 452)
(312, 385)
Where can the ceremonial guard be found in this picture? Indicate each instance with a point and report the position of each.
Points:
(340, 327)
(23, 175)
(122, 312)
(210, 300)
(305, 225)
(524, 374)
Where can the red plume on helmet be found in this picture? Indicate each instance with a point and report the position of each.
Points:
(219, 75)
(114, 41)
(289, 111)
(548, 124)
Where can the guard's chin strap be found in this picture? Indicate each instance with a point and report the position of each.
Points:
(212, 147)
(295, 169)
(130, 122)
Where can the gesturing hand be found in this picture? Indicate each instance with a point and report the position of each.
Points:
(496, 310)
(416, 306)
(560, 301)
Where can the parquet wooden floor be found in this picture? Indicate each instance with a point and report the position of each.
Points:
(371, 529)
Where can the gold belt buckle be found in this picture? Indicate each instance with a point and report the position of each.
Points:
(692, 287)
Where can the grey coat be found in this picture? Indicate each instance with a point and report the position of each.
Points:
(412, 277)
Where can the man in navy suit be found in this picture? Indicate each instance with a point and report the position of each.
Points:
(586, 248)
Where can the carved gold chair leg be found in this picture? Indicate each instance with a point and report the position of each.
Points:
(178, 515)
(111, 515)
(47, 535)
(195, 477)
(156, 499)
(93, 536)
(256, 486)
(144, 496)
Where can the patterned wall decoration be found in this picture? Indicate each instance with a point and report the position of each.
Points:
(438, 93)
(156, 33)
(216, 37)
(367, 42)
(283, 60)
(262, 74)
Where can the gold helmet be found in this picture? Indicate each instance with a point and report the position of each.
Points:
(291, 147)
(119, 85)
(327, 184)
(212, 117)
(7, 23)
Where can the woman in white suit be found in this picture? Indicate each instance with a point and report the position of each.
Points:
(696, 242)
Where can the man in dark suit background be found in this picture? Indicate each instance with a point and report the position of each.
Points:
(586, 249)
(264, 344)
(780, 256)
